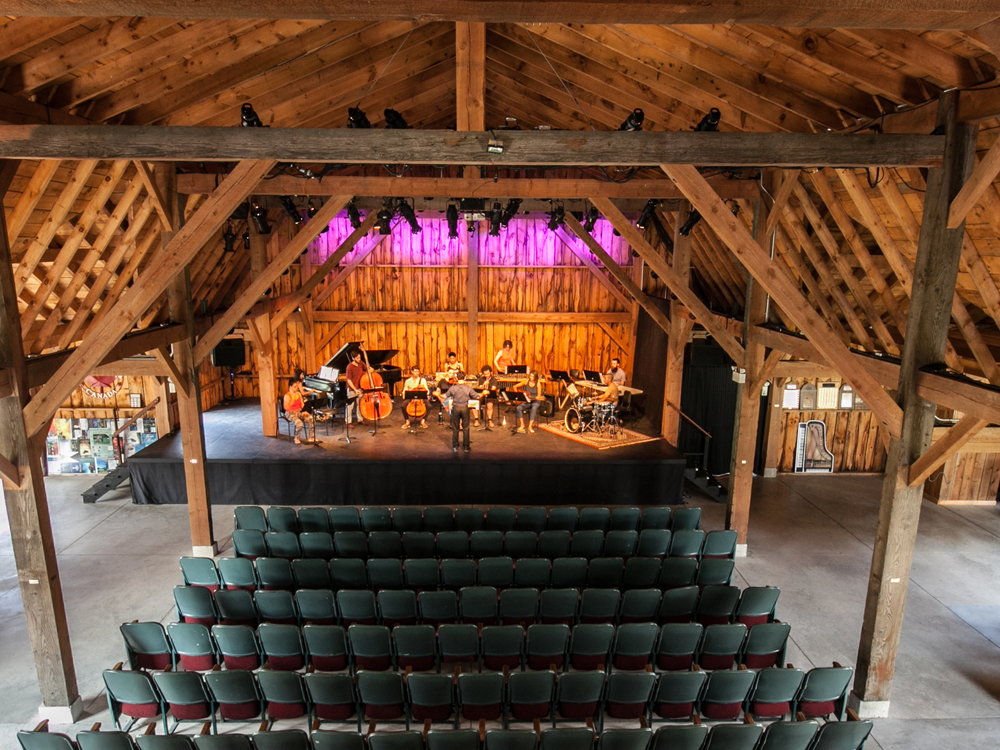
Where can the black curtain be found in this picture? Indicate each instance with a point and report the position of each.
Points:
(649, 367)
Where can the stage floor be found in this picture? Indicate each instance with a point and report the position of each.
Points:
(396, 466)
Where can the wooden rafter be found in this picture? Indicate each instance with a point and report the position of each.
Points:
(980, 181)
(606, 282)
(944, 448)
(30, 195)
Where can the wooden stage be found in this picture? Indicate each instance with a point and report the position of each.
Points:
(396, 467)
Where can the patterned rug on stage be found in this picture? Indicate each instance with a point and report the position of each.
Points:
(594, 440)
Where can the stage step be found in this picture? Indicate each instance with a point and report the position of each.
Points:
(706, 483)
(108, 482)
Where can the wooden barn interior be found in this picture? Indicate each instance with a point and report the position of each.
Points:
(782, 219)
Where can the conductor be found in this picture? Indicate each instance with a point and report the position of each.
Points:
(460, 395)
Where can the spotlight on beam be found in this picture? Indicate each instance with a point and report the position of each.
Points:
(406, 211)
(229, 238)
(259, 216)
(356, 118)
(452, 215)
(557, 217)
(290, 208)
(394, 120)
(354, 215)
(710, 122)
(647, 213)
(384, 224)
(249, 118)
(590, 220)
(693, 218)
(634, 120)
(246, 239)
(496, 218)
(510, 211)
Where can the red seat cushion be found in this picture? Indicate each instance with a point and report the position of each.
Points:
(241, 662)
(191, 712)
(675, 663)
(213, 587)
(335, 712)
(529, 711)
(141, 710)
(675, 618)
(497, 663)
(674, 710)
(750, 620)
(434, 713)
(416, 663)
(817, 708)
(625, 710)
(457, 659)
(587, 662)
(631, 662)
(490, 712)
(239, 711)
(577, 710)
(536, 661)
(390, 711)
(717, 661)
(286, 663)
(209, 621)
(329, 663)
(771, 710)
(721, 710)
(760, 661)
(713, 620)
(285, 710)
(248, 623)
(153, 661)
(375, 663)
(201, 663)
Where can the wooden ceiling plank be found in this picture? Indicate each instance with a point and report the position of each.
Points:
(146, 177)
(47, 67)
(718, 257)
(979, 182)
(789, 178)
(60, 210)
(916, 52)
(21, 34)
(227, 267)
(30, 195)
(299, 243)
(240, 269)
(797, 268)
(81, 229)
(507, 88)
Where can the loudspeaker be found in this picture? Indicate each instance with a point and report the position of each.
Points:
(548, 407)
(229, 353)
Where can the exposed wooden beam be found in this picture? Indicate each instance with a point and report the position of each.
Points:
(449, 316)
(680, 329)
(154, 193)
(179, 378)
(944, 448)
(785, 294)
(616, 339)
(359, 257)
(521, 148)
(150, 285)
(789, 180)
(30, 196)
(470, 74)
(981, 180)
(598, 273)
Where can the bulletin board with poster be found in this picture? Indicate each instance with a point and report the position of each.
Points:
(87, 446)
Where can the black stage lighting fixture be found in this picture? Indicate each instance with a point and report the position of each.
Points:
(229, 238)
(710, 122)
(246, 239)
(590, 220)
(356, 118)
(394, 120)
(634, 120)
(290, 208)
(354, 215)
(557, 216)
(510, 211)
(647, 213)
(693, 218)
(452, 215)
(249, 118)
(406, 211)
(496, 216)
(311, 210)
(385, 220)
(259, 216)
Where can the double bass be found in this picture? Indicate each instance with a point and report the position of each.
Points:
(374, 403)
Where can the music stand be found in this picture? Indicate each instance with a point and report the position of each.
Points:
(348, 403)
(513, 398)
(562, 377)
(378, 415)
(593, 376)
(420, 395)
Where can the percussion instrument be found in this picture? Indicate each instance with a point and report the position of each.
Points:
(601, 388)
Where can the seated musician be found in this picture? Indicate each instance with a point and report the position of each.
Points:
(312, 401)
(484, 384)
(610, 395)
(355, 370)
(294, 412)
(536, 393)
(454, 366)
(413, 383)
(616, 374)
(504, 358)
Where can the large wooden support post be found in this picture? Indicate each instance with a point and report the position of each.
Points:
(28, 517)
(470, 79)
(772, 430)
(262, 338)
(471, 242)
(934, 276)
(680, 329)
(748, 404)
(308, 330)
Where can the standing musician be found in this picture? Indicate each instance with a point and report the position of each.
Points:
(355, 370)
(484, 384)
(460, 395)
(504, 358)
(453, 365)
(295, 413)
(414, 383)
(616, 374)
(533, 387)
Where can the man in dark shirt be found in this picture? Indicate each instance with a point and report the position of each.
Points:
(355, 370)
(460, 395)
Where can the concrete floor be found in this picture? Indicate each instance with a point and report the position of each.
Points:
(812, 536)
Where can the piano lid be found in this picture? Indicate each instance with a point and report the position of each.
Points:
(376, 357)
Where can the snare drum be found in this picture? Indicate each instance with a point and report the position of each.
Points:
(603, 412)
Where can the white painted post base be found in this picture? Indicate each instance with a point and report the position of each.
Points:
(770, 473)
(741, 550)
(868, 709)
(62, 714)
(211, 551)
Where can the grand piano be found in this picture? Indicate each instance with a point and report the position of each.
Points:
(377, 358)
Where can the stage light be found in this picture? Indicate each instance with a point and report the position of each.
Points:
(385, 220)
(246, 239)
(290, 208)
(590, 220)
(452, 215)
(634, 120)
(495, 218)
(259, 216)
(510, 211)
(557, 216)
(710, 122)
(229, 239)
(693, 218)
(647, 213)
(305, 172)
(356, 118)
(354, 215)
(249, 118)
(406, 211)
(394, 120)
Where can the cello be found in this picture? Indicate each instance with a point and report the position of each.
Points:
(374, 403)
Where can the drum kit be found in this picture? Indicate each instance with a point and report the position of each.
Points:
(588, 415)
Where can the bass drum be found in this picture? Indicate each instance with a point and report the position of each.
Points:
(572, 420)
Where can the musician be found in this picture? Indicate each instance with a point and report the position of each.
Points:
(484, 384)
(453, 365)
(413, 383)
(294, 412)
(533, 387)
(460, 395)
(610, 395)
(616, 374)
(504, 358)
(311, 400)
(355, 370)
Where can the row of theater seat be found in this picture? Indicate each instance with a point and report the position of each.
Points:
(244, 695)
(435, 519)
(518, 545)
(429, 574)
(803, 734)
(418, 648)
(480, 605)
